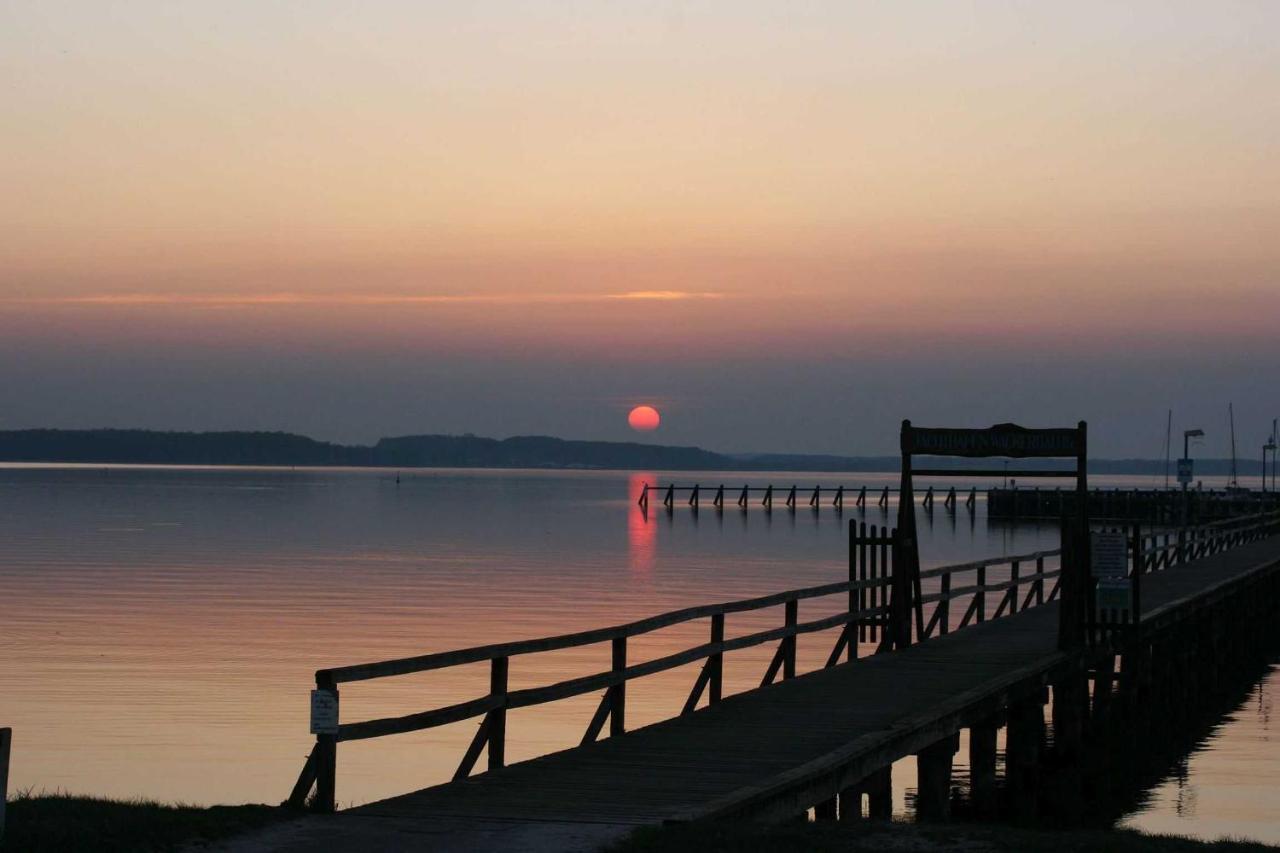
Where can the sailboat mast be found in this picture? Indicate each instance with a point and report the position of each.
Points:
(1168, 436)
(1231, 413)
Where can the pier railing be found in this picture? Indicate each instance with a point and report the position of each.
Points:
(857, 495)
(880, 607)
(868, 610)
(1162, 549)
(971, 582)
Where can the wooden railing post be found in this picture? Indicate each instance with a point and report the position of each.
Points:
(6, 743)
(789, 655)
(982, 594)
(498, 716)
(857, 597)
(1139, 565)
(618, 701)
(944, 622)
(900, 609)
(1040, 579)
(1014, 571)
(716, 661)
(326, 752)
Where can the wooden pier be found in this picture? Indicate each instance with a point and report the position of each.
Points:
(790, 497)
(1160, 506)
(974, 647)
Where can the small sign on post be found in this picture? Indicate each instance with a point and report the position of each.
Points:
(1109, 558)
(1184, 471)
(324, 712)
(1110, 554)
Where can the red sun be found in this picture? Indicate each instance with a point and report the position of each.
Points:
(644, 419)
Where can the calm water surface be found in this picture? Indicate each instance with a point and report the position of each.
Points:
(159, 627)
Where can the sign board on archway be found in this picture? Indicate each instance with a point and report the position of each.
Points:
(1013, 442)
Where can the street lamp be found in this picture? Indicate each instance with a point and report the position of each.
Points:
(1184, 471)
(1184, 464)
(1270, 445)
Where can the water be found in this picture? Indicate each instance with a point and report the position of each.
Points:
(1227, 786)
(160, 626)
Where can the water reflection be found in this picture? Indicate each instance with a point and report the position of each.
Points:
(1220, 776)
(642, 537)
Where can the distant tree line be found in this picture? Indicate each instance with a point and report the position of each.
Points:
(151, 447)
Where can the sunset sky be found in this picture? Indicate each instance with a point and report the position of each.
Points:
(785, 225)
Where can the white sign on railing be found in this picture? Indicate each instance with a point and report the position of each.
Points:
(324, 712)
(1109, 553)
(1109, 558)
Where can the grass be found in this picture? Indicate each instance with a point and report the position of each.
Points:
(910, 838)
(44, 823)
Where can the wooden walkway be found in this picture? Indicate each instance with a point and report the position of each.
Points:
(773, 751)
(732, 755)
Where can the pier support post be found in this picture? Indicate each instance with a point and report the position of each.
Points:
(1023, 740)
(851, 804)
(825, 810)
(1103, 679)
(982, 766)
(879, 788)
(933, 793)
(1070, 707)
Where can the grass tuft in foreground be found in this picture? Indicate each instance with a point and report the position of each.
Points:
(910, 838)
(45, 823)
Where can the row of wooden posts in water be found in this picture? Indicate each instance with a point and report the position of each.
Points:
(1166, 506)
(858, 497)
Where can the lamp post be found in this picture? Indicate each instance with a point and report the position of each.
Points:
(1270, 445)
(1187, 435)
(1184, 470)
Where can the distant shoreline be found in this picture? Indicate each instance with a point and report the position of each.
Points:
(280, 449)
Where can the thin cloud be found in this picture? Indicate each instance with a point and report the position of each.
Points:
(268, 299)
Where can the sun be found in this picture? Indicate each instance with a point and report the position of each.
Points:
(644, 419)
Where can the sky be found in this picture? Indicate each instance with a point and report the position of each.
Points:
(786, 225)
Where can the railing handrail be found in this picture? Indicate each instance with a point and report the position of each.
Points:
(475, 654)
(1214, 529)
(986, 563)
(589, 683)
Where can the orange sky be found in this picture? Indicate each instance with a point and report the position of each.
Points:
(573, 179)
